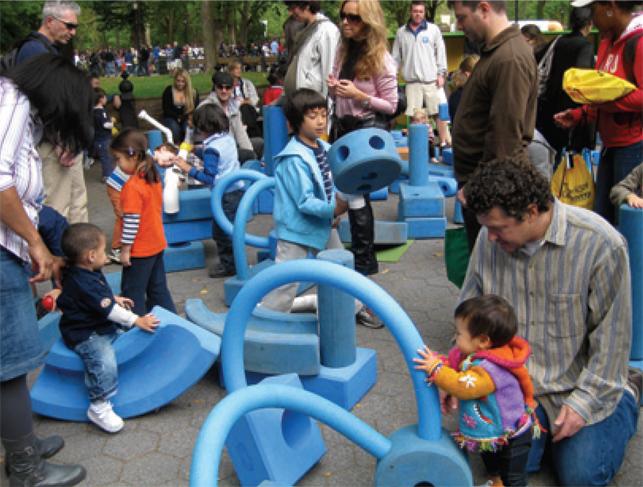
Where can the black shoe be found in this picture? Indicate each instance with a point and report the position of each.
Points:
(28, 469)
(367, 318)
(47, 447)
(218, 270)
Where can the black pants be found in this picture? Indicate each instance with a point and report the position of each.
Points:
(144, 283)
(510, 462)
(229, 203)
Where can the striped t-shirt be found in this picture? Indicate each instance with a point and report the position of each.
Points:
(117, 179)
(321, 156)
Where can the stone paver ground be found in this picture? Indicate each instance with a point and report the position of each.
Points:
(156, 449)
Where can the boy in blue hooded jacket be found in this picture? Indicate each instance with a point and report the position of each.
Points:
(305, 204)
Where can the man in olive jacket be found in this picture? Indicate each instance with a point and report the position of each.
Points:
(497, 113)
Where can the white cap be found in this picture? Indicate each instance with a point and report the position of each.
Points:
(582, 3)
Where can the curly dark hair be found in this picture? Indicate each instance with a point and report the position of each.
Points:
(511, 184)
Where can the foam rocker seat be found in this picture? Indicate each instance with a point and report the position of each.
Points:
(153, 368)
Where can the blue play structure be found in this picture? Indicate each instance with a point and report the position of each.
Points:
(267, 427)
(320, 348)
(153, 368)
(630, 224)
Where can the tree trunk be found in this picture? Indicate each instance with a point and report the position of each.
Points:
(211, 35)
(540, 9)
(243, 25)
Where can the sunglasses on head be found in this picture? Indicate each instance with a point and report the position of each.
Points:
(68, 25)
(224, 87)
(354, 19)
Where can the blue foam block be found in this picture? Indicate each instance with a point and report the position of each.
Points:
(426, 227)
(458, 217)
(386, 233)
(194, 204)
(233, 285)
(188, 231)
(114, 281)
(420, 201)
(153, 369)
(274, 343)
(447, 156)
(630, 224)
(154, 139)
(380, 194)
(394, 187)
(448, 185)
(274, 444)
(364, 161)
(184, 256)
(440, 170)
(416, 461)
(48, 329)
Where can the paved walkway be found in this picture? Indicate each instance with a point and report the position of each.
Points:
(156, 449)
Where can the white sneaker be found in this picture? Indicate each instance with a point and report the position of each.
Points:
(102, 415)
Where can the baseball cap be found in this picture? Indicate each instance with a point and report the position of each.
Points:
(222, 78)
(582, 3)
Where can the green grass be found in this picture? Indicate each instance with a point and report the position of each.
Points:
(153, 86)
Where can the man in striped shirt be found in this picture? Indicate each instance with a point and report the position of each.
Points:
(565, 270)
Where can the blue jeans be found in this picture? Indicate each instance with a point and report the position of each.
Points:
(178, 129)
(101, 151)
(594, 454)
(20, 347)
(101, 369)
(616, 164)
(144, 283)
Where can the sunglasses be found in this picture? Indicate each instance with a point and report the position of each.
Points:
(68, 25)
(352, 18)
(224, 87)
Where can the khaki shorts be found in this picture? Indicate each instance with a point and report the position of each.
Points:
(420, 95)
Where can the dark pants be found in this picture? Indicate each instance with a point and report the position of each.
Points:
(510, 462)
(144, 283)
(101, 152)
(229, 203)
(471, 224)
(616, 163)
(178, 129)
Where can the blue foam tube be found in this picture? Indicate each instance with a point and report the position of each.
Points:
(275, 134)
(631, 226)
(418, 154)
(217, 209)
(351, 282)
(209, 444)
(443, 111)
(239, 237)
(337, 335)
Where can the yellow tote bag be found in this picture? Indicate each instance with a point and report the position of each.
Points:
(572, 183)
(589, 86)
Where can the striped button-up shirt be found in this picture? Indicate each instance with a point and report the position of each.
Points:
(573, 302)
(20, 165)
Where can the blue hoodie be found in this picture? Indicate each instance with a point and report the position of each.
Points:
(301, 212)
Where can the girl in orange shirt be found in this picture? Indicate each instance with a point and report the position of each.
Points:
(143, 238)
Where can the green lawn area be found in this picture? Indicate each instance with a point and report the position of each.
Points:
(153, 86)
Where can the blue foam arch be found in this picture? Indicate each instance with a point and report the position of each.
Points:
(349, 281)
(154, 369)
(217, 209)
(209, 445)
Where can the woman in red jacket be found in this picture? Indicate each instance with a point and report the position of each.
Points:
(620, 53)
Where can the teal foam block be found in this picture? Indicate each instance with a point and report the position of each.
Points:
(426, 227)
(153, 370)
(233, 285)
(188, 231)
(194, 204)
(275, 444)
(380, 194)
(386, 233)
(275, 343)
(48, 329)
(182, 257)
(420, 201)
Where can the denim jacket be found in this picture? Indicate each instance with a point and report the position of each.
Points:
(302, 214)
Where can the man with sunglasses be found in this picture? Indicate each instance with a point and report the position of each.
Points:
(421, 55)
(63, 177)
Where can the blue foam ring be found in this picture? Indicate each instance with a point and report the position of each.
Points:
(443, 112)
(154, 139)
(275, 134)
(418, 154)
(217, 426)
(154, 369)
(351, 282)
(448, 185)
(364, 160)
(630, 224)
(239, 237)
(337, 334)
(217, 209)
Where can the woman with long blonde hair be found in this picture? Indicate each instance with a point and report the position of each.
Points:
(363, 84)
(179, 101)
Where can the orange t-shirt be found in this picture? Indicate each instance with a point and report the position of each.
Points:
(146, 200)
